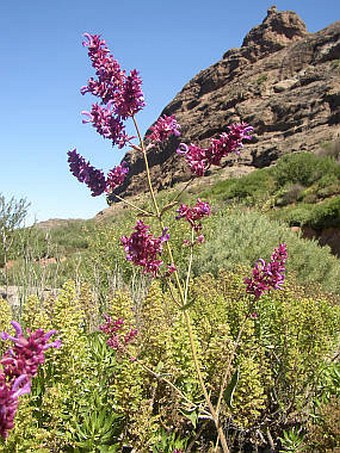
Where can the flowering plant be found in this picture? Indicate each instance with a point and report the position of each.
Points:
(18, 366)
(120, 98)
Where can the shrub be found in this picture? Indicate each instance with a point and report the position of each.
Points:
(244, 236)
(304, 168)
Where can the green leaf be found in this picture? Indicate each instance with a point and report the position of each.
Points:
(228, 394)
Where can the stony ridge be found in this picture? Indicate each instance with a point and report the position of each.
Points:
(283, 80)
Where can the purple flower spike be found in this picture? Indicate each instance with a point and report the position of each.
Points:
(117, 340)
(165, 127)
(200, 159)
(120, 95)
(130, 99)
(107, 124)
(144, 249)
(116, 177)
(195, 156)
(27, 353)
(194, 214)
(110, 75)
(266, 276)
(86, 173)
(18, 366)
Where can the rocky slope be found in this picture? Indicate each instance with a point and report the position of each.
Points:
(283, 80)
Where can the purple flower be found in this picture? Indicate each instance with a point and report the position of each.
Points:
(9, 394)
(165, 127)
(130, 99)
(130, 336)
(121, 95)
(110, 75)
(200, 159)
(86, 173)
(195, 156)
(194, 214)
(107, 124)
(116, 177)
(26, 354)
(144, 249)
(19, 365)
(112, 329)
(266, 276)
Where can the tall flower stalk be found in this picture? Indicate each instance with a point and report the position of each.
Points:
(120, 98)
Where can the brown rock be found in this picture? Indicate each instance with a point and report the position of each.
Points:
(283, 81)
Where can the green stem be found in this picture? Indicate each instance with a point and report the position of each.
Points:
(183, 190)
(169, 383)
(230, 361)
(147, 168)
(132, 205)
(189, 268)
(227, 372)
(182, 298)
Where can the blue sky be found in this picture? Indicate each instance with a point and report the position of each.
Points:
(43, 66)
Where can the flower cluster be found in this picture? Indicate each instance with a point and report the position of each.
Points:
(200, 159)
(144, 249)
(93, 178)
(86, 173)
(9, 401)
(270, 275)
(120, 94)
(19, 365)
(117, 340)
(165, 127)
(194, 214)
(116, 177)
(107, 125)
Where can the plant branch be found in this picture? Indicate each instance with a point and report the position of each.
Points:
(133, 206)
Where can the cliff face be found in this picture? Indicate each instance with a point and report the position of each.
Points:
(283, 81)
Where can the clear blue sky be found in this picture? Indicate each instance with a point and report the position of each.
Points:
(43, 66)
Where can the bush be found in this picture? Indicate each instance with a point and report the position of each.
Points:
(304, 168)
(252, 187)
(243, 237)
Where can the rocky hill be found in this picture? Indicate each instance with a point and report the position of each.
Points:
(284, 81)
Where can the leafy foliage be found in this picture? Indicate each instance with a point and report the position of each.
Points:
(90, 398)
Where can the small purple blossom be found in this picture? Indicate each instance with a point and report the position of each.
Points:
(144, 249)
(165, 127)
(116, 177)
(194, 214)
(112, 328)
(200, 159)
(86, 173)
(266, 276)
(130, 336)
(172, 268)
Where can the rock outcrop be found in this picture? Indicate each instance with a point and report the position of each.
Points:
(284, 81)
